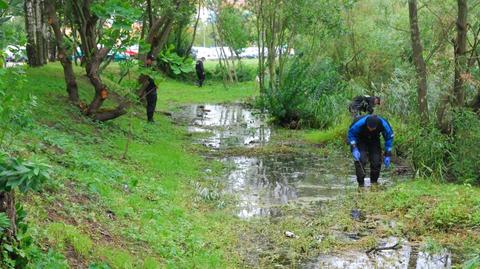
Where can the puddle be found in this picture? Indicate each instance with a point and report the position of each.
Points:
(230, 125)
(262, 184)
(403, 257)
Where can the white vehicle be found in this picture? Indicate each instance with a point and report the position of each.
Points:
(15, 53)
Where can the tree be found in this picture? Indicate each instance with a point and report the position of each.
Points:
(37, 32)
(63, 56)
(460, 50)
(418, 60)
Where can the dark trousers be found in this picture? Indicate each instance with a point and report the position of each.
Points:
(151, 104)
(371, 152)
(201, 79)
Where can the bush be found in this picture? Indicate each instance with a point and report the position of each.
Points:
(464, 158)
(444, 156)
(244, 72)
(311, 94)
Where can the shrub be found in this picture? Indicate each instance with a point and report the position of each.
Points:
(173, 64)
(244, 72)
(464, 158)
(311, 94)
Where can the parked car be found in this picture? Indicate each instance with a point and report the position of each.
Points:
(15, 54)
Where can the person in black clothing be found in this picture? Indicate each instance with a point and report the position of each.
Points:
(364, 139)
(150, 91)
(363, 103)
(200, 71)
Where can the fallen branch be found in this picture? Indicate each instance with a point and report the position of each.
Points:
(377, 249)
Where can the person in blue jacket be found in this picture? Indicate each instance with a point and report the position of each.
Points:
(364, 139)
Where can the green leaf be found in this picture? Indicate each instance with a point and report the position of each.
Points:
(8, 247)
(3, 4)
(4, 221)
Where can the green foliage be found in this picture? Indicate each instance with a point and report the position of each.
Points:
(15, 110)
(24, 175)
(444, 156)
(2, 59)
(12, 32)
(245, 72)
(51, 259)
(424, 205)
(62, 234)
(427, 147)
(333, 134)
(99, 266)
(235, 37)
(4, 222)
(473, 263)
(176, 64)
(311, 94)
(465, 163)
(121, 15)
(3, 4)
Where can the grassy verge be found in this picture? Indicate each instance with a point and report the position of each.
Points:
(428, 211)
(141, 211)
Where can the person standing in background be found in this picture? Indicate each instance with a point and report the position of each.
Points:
(200, 71)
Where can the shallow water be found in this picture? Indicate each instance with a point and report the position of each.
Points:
(264, 183)
(405, 257)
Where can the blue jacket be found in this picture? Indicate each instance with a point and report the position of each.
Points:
(358, 132)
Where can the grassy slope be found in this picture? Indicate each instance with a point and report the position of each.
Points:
(158, 219)
(141, 212)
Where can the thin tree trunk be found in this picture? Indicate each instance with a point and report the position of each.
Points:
(460, 53)
(149, 11)
(52, 47)
(261, 46)
(69, 75)
(418, 61)
(187, 53)
(29, 8)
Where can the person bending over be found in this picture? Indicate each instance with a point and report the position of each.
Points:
(364, 139)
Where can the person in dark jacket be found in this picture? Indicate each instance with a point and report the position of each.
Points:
(364, 139)
(200, 71)
(363, 103)
(150, 91)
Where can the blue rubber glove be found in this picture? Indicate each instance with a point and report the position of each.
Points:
(386, 161)
(356, 154)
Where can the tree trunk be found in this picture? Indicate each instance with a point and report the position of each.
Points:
(36, 29)
(29, 8)
(189, 49)
(7, 205)
(41, 35)
(418, 61)
(460, 53)
(63, 56)
(52, 47)
(149, 11)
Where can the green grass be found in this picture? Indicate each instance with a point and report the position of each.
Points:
(422, 204)
(334, 134)
(138, 212)
(145, 211)
(172, 93)
(211, 64)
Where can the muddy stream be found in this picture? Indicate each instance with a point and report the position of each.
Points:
(262, 183)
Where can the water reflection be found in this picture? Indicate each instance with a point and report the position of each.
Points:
(231, 125)
(405, 257)
(263, 183)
